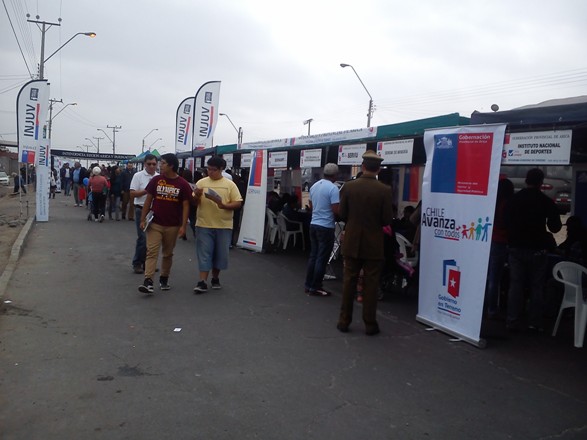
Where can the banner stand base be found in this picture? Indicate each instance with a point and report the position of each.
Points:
(481, 343)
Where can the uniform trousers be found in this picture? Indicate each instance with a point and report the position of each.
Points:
(371, 274)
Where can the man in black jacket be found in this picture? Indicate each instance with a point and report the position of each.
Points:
(127, 199)
(530, 211)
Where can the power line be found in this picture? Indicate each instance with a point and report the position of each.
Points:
(14, 86)
(516, 85)
(15, 36)
(24, 30)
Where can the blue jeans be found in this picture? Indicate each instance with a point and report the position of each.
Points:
(527, 269)
(141, 246)
(212, 247)
(497, 259)
(321, 242)
(67, 186)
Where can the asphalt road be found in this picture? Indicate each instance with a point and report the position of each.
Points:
(83, 355)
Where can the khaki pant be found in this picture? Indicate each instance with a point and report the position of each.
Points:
(163, 237)
(128, 208)
(371, 274)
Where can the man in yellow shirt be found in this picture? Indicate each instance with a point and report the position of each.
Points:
(217, 198)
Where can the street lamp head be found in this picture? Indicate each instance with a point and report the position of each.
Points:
(344, 65)
(222, 114)
(90, 34)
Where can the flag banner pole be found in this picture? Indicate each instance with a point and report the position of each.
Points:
(183, 125)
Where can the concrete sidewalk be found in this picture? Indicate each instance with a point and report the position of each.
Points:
(85, 356)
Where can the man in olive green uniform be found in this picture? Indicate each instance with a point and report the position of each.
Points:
(365, 206)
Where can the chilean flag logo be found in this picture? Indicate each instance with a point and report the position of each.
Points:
(461, 163)
(256, 168)
(451, 277)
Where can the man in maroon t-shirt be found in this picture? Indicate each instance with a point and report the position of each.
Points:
(168, 196)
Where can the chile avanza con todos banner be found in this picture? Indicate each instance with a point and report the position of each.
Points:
(458, 204)
(32, 104)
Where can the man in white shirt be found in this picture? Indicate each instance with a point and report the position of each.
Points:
(138, 184)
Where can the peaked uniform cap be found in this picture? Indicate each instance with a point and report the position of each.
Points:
(371, 155)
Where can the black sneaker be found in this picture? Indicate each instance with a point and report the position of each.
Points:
(163, 283)
(147, 286)
(216, 284)
(201, 287)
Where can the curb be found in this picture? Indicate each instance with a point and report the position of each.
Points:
(15, 254)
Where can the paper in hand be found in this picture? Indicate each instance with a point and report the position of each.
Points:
(148, 220)
(213, 195)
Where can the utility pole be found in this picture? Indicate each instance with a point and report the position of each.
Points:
(115, 129)
(51, 102)
(308, 122)
(97, 146)
(45, 26)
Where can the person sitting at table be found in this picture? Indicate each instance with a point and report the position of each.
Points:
(292, 213)
(574, 248)
(274, 202)
(404, 226)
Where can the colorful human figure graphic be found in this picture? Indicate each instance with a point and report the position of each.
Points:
(472, 231)
(464, 231)
(486, 229)
(478, 229)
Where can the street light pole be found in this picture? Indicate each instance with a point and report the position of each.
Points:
(370, 110)
(143, 147)
(156, 140)
(308, 122)
(96, 146)
(239, 131)
(44, 27)
(51, 117)
(115, 129)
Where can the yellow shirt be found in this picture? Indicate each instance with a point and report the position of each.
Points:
(209, 215)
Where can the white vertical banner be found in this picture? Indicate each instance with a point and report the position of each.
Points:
(458, 204)
(32, 104)
(253, 221)
(183, 125)
(205, 114)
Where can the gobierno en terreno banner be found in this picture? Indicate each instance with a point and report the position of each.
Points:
(458, 204)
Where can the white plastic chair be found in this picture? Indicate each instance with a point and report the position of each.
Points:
(404, 245)
(271, 225)
(282, 221)
(571, 274)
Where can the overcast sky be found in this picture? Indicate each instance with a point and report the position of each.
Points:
(279, 62)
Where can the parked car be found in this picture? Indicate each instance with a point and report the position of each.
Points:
(308, 178)
(4, 179)
(557, 182)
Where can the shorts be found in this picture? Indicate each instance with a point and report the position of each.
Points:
(212, 246)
